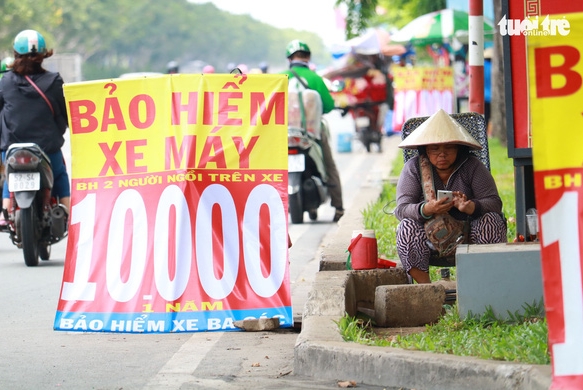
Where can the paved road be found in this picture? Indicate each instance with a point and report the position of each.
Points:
(34, 356)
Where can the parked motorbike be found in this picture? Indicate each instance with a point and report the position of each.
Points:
(36, 220)
(366, 120)
(306, 176)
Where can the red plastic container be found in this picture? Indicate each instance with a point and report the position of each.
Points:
(363, 250)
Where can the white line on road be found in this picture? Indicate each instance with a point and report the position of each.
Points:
(179, 369)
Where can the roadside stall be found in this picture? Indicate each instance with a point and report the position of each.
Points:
(442, 37)
(364, 70)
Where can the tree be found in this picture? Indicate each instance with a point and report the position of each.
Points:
(362, 14)
(359, 14)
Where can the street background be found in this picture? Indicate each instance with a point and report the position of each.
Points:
(34, 356)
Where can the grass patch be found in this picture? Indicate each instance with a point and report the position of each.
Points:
(485, 337)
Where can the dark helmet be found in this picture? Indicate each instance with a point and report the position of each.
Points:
(295, 46)
(172, 67)
(263, 66)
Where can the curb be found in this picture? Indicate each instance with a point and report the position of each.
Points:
(320, 352)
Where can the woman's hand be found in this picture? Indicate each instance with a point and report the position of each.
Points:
(461, 202)
(441, 206)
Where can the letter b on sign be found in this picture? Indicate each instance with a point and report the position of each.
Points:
(556, 64)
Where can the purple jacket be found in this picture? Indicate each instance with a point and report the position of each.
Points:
(470, 177)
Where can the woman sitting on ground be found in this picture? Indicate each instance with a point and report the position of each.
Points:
(443, 145)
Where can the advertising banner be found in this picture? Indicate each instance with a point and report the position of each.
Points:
(520, 18)
(556, 93)
(421, 91)
(178, 219)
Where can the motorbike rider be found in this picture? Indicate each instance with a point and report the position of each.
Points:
(26, 116)
(299, 54)
(172, 67)
(5, 65)
(208, 69)
(264, 66)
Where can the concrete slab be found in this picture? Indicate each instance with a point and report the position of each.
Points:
(505, 277)
(321, 353)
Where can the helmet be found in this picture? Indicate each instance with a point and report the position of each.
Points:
(29, 41)
(263, 66)
(208, 69)
(244, 69)
(6, 63)
(295, 46)
(172, 67)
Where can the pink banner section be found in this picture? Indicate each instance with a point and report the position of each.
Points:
(421, 91)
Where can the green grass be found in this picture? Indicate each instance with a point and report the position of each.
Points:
(486, 337)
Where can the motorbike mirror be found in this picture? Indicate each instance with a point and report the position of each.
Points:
(338, 85)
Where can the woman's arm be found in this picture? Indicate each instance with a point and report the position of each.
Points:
(409, 192)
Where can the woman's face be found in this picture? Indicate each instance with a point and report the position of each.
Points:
(442, 156)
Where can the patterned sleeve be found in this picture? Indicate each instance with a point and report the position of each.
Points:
(409, 192)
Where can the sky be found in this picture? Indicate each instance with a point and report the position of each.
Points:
(316, 16)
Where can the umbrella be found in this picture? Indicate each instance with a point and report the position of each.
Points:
(435, 27)
(350, 65)
(373, 41)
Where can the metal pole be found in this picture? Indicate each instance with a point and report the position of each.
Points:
(476, 55)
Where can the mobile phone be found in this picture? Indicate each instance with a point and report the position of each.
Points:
(444, 194)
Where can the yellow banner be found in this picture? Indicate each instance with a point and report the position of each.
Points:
(170, 122)
(422, 78)
(555, 71)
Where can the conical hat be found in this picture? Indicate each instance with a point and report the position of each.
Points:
(439, 128)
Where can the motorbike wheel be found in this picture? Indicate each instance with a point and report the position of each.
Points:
(29, 232)
(44, 250)
(296, 210)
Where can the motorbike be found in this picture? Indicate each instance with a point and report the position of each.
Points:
(36, 220)
(306, 175)
(366, 121)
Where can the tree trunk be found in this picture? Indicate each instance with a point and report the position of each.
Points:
(498, 114)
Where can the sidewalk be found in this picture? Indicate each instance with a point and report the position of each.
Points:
(320, 351)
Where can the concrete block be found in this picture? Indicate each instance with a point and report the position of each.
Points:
(331, 292)
(408, 305)
(502, 276)
(366, 282)
(258, 325)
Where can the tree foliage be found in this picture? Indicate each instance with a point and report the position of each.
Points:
(116, 36)
(362, 14)
(359, 15)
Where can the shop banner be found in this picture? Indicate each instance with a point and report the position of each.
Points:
(556, 92)
(421, 91)
(178, 219)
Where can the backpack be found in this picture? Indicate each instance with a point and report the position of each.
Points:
(304, 107)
